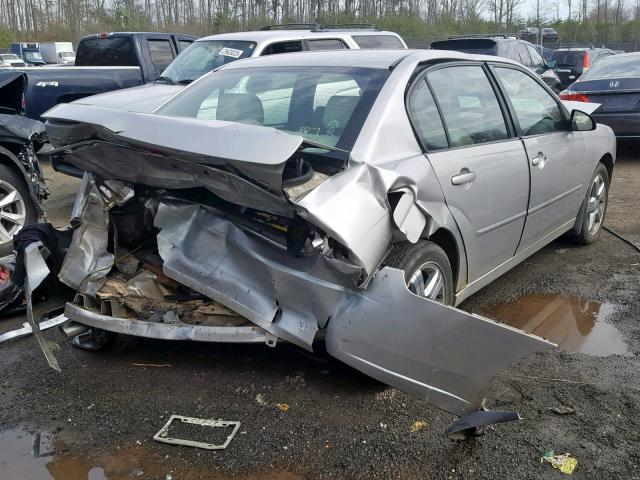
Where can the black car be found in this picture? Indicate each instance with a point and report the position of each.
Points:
(614, 83)
(573, 62)
(504, 46)
(550, 35)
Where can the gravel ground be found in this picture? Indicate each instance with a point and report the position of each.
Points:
(103, 409)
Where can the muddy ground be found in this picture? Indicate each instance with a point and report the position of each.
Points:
(305, 418)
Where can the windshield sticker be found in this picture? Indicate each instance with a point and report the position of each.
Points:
(230, 52)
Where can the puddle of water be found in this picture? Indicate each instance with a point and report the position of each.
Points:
(17, 461)
(575, 325)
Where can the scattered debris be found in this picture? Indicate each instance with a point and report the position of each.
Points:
(283, 407)
(261, 400)
(136, 472)
(565, 462)
(562, 409)
(467, 426)
(624, 239)
(163, 434)
(36, 449)
(415, 426)
(154, 365)
(26, 329)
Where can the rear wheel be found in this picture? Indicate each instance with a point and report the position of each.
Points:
(595, 206)
(16, 207)
(427, 270)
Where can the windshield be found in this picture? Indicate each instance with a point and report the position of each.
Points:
(203, 56)
(568, 58)
(10, 57)
(480, 46)
(67, 54)
(324, 105)
(615, 66)
(34, 56)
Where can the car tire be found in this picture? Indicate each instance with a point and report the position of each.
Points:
(424, 264)
(11, 183)
(592, 220)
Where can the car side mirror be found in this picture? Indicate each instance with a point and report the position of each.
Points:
(551, 64)
(582, 122)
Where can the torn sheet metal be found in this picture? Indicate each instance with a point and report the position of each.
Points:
(468, 425)
(441, 354)
(26, 329)
(586, 107)
(169, 331)
(37, 270)
(163, 434)
(88, 261)
(247, 274)
(255, 152)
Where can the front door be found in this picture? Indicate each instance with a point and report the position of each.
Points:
(558, 160)
(480, 164)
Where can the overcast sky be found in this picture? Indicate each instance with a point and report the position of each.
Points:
(548, 9)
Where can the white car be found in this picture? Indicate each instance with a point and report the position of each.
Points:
(10, 60)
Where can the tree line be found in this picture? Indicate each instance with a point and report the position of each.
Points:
(419, 21)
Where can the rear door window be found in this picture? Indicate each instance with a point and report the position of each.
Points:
(537, 60)
(160, 52)
(182, 43)
(283, 47)
(326, 44)
(426, 119)
(468, 104)
(383, 42)
(525, 59)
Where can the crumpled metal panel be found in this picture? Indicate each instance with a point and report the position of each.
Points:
(286, 296)
(438, 353)
(88, 262)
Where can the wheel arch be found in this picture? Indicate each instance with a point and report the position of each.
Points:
(607, 161)
(446, 240)
(9, 158)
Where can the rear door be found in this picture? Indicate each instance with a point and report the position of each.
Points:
(558, 160)
(480, 163)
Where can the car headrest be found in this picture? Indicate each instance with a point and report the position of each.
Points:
(339, 110)
(240, 107)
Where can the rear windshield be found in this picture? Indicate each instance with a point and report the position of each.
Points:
(614, 66)
(378, 41)
(203, 56)
(326, 105)
(106, 52)
(476, 46)
(568, 59)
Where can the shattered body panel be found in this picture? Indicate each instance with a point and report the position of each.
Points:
(297, 264)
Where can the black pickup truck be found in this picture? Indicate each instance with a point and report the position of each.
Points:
(104, 62)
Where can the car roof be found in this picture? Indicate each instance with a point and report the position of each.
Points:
(580, 49)
(267, 35)
(383, 59)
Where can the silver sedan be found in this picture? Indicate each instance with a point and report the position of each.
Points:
(347, 197)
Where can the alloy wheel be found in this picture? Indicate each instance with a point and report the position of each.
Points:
(12, 211)
(428, 281)
(596, 204)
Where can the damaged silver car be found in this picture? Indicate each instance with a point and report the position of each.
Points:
(347, 197)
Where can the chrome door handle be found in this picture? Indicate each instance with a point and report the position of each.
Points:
(465, 176)
(539, 160)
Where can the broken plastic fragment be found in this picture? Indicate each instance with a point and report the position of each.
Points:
(565, 462)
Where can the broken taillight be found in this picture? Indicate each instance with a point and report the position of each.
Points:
(576, 97)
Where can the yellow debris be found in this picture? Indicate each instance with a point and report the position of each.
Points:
(565, 463)
(283, 407)
(418, 425)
